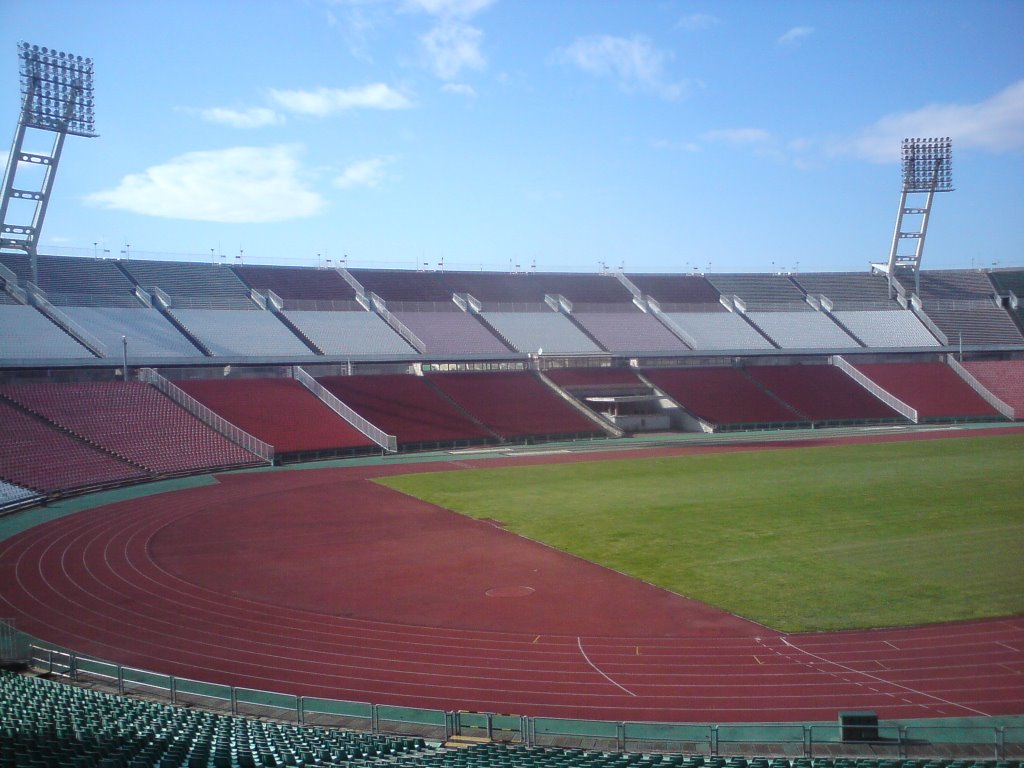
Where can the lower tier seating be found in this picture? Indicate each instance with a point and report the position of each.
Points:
(934, 389)
(134, 421)
(515, 404)
(281, 412)
(408, 407)
(721, 396)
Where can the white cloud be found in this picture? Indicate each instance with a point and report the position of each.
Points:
(794, 35)
(240, 185)
(698, 21)
(256, 117)
(459, 89)
(632, 62)
(450, 8)
(995, 125)
(365, 173)
(739, 135)
(451, 47)
(326, 101)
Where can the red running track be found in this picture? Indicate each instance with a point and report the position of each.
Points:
(321, 583)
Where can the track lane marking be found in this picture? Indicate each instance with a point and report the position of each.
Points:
(597, 669)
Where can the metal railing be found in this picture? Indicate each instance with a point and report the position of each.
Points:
(400, 328)
(889, 399)
(238, 436)
(892, 739)
(39, 301)
(935, 331)
(388, 442)
(1003, 408)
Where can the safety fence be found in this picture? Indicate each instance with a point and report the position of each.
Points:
(888, 740)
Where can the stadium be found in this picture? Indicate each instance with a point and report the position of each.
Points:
(283, 515)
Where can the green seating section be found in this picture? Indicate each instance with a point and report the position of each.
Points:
(45, 724)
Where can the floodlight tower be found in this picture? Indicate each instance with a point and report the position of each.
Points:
(56, 98)
(927, 169)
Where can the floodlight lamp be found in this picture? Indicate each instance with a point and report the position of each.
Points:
(56, 90)
(927, 165)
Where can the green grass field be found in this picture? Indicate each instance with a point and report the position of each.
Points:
(798, 539)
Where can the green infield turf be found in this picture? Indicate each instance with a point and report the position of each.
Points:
(799, 539)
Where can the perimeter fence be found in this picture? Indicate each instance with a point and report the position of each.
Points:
(891, 740)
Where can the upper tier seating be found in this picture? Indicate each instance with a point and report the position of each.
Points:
(241, 332)
(5, 298)
(404, 286)
(300, 287)
(849, 290)
(452, 333)
(134, 421)
(11, 494)
(36, 455)
(886, 328)
(721, 396)
(629, 332)
(802, 330)
(933, 389)
(1004, 379)
(281, 412)
(406, 406)
(961, 304)
(822, 393)
(191, 284)
(76, 281)
(530, 332)
(499, 290)
(762, 293)
(515, 404)
(26, 333)
(1009, 280)
(719, 330)
(349, 333)
(679, 293)
(149, 333)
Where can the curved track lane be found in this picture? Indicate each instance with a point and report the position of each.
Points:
(278, 581)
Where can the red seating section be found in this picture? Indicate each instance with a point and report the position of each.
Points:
(134, 421)
(515, 404)
(720, 395)
(934, 389)
(594, 377)
(405, 406)
(1004, 379)
(281, 412)
(821, 392)
(36, 455)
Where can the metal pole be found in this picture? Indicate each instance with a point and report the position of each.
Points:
(124, 351)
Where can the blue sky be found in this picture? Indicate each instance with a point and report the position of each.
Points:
(656, 135)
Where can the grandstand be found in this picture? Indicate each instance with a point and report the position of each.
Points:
(240, 366)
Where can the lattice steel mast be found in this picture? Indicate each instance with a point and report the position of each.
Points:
(927, 169)
(56, 97)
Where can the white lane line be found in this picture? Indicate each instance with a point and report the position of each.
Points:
(884, 681)
(597, 669)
